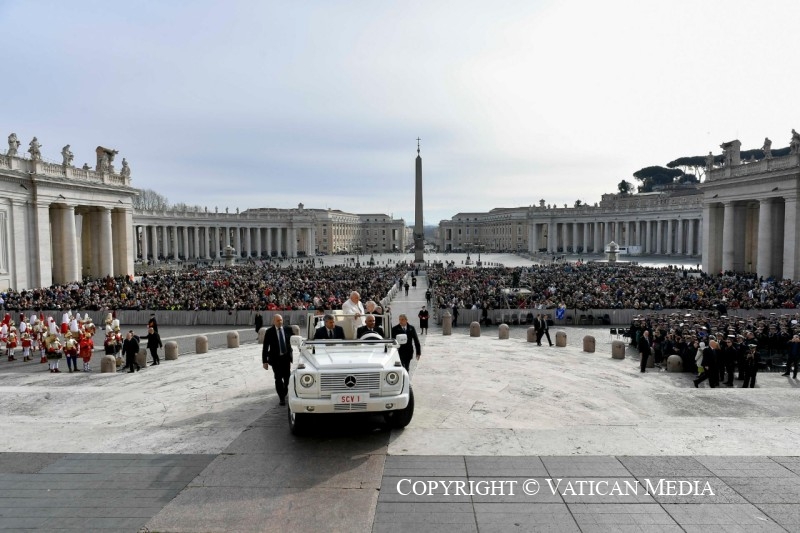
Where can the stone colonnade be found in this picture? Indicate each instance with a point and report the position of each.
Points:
(666, 236)
(753, 236)
(87, 241)
(201, 241)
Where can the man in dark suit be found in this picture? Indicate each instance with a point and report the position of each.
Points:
(644, 350)
(406, 350)
(277, 352)
(369, 328)
(330, 330)
(538, 326)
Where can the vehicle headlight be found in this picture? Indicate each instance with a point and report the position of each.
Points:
(392, 378)
(307, 380)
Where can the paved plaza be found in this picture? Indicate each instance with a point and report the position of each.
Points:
(506, 436)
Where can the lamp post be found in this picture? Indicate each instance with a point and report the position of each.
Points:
(480, 248)
(468, 248)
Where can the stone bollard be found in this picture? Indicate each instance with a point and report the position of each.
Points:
(618, 350)
(201, 344)
(447, 324)
(475, 329)
(108, 364)
(532, 334)
(561, 339)
(233, 339)
(170, 351)
(674, 363)
(588, 344)
(141, 358)
(651, 361)
(503, 331)
(261, 333)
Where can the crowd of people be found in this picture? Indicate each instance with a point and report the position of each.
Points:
(601, 286)
(243, 287)
(719, 348)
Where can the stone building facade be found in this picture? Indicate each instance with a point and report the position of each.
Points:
(264, 232)
(751, 214)
(667, 222)
(59, 223)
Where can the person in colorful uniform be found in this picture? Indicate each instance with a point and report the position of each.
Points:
(85, 348)
(54, 352)
(11, 342)
(27, 344)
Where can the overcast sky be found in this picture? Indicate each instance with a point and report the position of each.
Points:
(270, 104)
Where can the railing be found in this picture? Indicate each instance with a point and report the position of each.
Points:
(758, 167)
(46, 167)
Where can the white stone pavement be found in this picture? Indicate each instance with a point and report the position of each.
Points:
(474, 396)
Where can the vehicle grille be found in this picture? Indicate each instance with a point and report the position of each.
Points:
(365, 381)
(350, 407)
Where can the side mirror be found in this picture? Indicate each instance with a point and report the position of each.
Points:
(296, 341)
(402, 338)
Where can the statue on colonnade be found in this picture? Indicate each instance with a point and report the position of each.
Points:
(13, 144)
(67, 156)
(794, 144)
(35, 149)
(125, 171)
(105, 158)
(767, 148)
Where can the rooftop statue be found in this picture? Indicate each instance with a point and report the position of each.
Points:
(34, 148)
(67, 156)
(125, 171)
(794, 144)
(767, 148)
(105, 158)
(709, 162)
(13, 144)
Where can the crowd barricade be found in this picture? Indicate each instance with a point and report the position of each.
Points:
(223, 318)
(600, 317)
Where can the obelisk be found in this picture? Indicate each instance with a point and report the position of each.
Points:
(419, 230)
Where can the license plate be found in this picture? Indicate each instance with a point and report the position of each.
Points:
(351, 398)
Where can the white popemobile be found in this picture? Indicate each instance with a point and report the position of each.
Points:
(349, 376)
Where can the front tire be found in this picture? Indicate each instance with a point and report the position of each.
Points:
(298, 423)
(402, 417)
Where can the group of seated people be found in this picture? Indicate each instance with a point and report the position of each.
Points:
(601, 286)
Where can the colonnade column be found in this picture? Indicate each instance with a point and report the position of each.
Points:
(679, 236)
(764, 267)
(69, 245)
(690, 237)
(585, 237)
(790, 237)
(237, 241)
(712, 249)
(106, 245)
(143, 244)
(598, 247)
(196, 242)
(668, 244)
(728, 235)
(533, 241)
(659, 249)
(278, 241)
